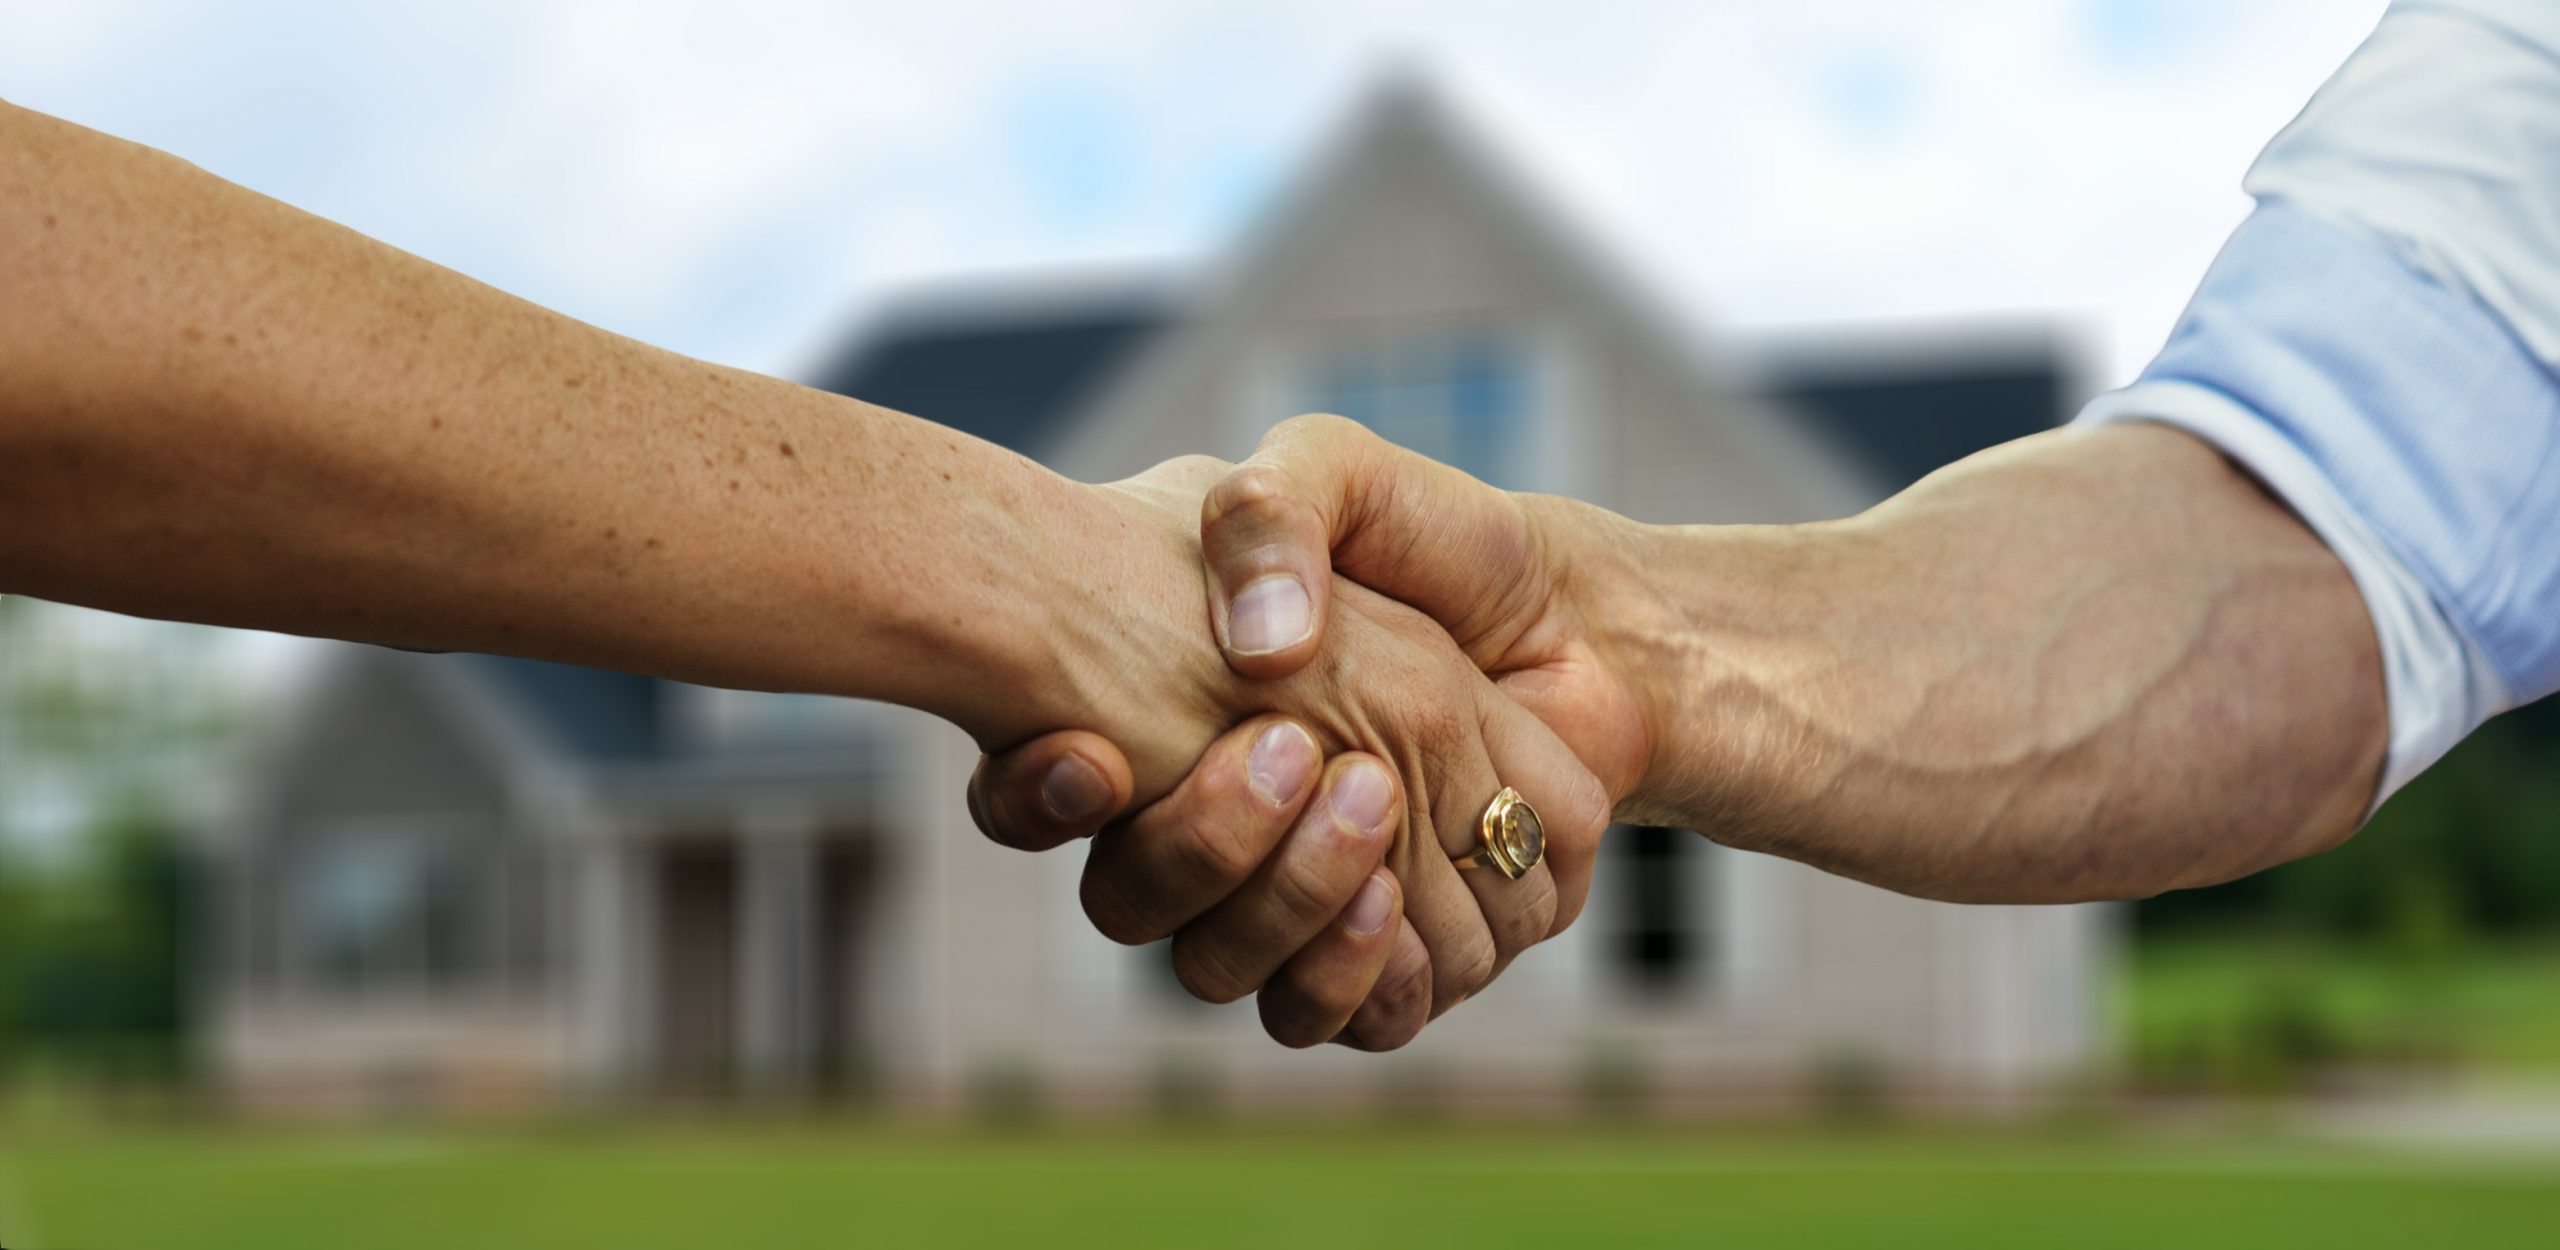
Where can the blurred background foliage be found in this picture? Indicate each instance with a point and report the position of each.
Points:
(2429, 943)
(2470, 849)
(106, 740)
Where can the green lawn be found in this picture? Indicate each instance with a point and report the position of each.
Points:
(1295, 1189)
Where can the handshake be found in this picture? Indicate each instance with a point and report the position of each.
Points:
(1406, 649)
(1428, 698)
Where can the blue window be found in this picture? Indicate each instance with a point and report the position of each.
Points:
(1464, 398)
(383, 907)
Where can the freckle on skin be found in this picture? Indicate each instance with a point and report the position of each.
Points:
(611, 533)
(48, 221)
(733, 483)
(789, 454)
(194, 334)
(653, 544)
(231, 340)
(435, 423)
(573, 383)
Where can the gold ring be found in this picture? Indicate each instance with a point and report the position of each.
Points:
(1510, 839)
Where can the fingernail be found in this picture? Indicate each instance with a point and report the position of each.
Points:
(1281, 761)
(1074, 790)
(1268, 615)
(1368, 911)
(1360, 797)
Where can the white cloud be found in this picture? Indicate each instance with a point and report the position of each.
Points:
(728, 178)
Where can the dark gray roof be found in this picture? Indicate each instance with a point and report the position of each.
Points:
(1018, 376)
(615, 728)
(1906, 418)
(590, 714)
(1012, 375)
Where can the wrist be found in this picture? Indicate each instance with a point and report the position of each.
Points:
(1727, 629)
(984, 622)
(1111, 632)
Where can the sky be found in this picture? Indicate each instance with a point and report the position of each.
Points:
(741, 180)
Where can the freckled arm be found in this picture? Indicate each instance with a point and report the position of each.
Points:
(214, 407)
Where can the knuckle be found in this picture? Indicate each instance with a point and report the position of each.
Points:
(1403, 992)
(1196, 465)
(1282, 1025)
(978, 802)
(1301, 894)
(996, 820)
(1394, 1012)
(1331, 1000)
(1323, 425)
(1108, 906)
(1215, 853)
(1302, 1013)
(1465, 971)
(1208, 972)
(1252, 492)
(1569, 905)
(1528, 924)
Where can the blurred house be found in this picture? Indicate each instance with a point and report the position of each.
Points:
(469, 879)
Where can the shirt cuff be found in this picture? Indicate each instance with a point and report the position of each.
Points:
(2438, 683)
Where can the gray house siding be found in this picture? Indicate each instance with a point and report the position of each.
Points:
(378, 751)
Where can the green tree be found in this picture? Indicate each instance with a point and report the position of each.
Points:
(2472, 846)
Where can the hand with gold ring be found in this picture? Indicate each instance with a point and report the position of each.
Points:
(1474, 922)
(1259, 872)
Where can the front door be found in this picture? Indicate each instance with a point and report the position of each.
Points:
(697, 897)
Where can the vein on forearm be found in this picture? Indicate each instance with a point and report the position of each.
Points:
(2089, 668)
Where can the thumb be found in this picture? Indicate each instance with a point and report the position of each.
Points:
(1323, 495)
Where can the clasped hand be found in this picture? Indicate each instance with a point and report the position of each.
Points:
(1354, 739)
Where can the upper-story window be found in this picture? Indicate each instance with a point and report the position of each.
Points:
(1462, 397)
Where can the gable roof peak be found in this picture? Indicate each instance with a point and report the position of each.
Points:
(1403, 94)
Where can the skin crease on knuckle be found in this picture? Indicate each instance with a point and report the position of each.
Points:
(1300, 1011)
(1139, 875)
(1398, 1005)
(1208, 970)
(1302, 892)
(1219, 854)
(1464, 973)
(1108, 907)
(1252, 502)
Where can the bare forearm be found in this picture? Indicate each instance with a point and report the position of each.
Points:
(2091, 664)
(214, 407)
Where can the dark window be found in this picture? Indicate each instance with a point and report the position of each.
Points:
(1661, 941)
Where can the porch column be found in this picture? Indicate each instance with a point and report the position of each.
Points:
(607, 962)
(777, 950)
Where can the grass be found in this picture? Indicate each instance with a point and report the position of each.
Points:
(1481, 1188)
(72, 1180)
(2485, 1007)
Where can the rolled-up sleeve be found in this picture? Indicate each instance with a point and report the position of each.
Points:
(2377, 344)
